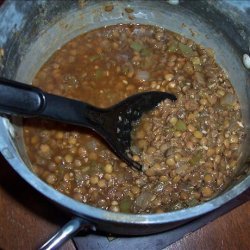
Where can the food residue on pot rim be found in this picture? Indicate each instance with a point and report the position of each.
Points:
(82, 3)
(109, 8)
(129, 10)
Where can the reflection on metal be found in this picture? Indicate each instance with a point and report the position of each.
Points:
(246, 61)
(173, 2)
(67, 232)
(7, 154)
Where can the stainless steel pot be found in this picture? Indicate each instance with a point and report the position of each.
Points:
(30, 33)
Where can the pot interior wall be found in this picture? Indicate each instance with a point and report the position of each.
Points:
(77, 19)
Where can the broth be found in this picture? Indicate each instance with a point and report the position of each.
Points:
(189, 149)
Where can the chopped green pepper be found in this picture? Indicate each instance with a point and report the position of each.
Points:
(196, 63)
(180, 126)
(186, 50)
(99, 73)
(125, 205)
(196, 158)
(95, 57)
(173, 47)
(192, 203)
(136, 46)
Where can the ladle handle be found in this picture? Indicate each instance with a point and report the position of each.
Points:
(20, 99)
(26, 100)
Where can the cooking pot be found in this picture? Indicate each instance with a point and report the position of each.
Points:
(31, 32)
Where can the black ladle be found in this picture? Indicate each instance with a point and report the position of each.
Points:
(113, 124)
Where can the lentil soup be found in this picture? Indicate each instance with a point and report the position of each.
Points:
(189, 149)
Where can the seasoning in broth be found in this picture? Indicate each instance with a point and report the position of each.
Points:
(189, 148)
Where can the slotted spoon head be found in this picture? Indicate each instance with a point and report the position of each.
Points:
(119, 121)
(113, 124)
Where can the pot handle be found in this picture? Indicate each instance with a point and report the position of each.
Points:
(67, 232)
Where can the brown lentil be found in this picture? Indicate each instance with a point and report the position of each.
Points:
(188, 148)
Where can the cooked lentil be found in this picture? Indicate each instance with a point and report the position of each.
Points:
(189, 148)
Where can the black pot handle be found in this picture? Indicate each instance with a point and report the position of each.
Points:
(22, 99)
(67, 232)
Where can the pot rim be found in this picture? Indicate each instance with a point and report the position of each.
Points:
(8, 150)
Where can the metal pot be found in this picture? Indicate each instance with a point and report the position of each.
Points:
(30, 33)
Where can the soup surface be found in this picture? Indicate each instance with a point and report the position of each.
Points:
(189, 148)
